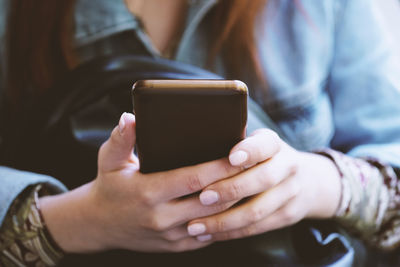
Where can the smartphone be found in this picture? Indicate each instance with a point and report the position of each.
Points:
(186, 122)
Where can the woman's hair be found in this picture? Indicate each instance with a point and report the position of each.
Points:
(38, 46)
(234, 35)
(40, 37)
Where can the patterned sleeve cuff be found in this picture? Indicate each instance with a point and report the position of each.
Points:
(370, 199)
(24, 238)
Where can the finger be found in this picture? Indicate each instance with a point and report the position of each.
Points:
(185, 181)
(251, 212)
(117, 151)
(260, 146)
(194, 209)
(174, 214)
(285, 216)
(185, 244)
(175, 234)
(250, 182)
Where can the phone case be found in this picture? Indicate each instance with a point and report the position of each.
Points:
(186, 122)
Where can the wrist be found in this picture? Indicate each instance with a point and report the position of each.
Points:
(328, 188)
(71, 219)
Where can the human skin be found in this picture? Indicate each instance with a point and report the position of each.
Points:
(285, 187)
(162, 19)
(123, 208)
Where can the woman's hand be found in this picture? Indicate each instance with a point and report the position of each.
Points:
(281, 184)
(123, 208)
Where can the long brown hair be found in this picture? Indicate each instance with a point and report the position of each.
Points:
(39, 41)
(235, 22)
(38, 46)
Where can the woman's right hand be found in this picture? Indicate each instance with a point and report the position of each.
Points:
(123, 208)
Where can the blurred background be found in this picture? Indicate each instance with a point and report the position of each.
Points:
(391, 12)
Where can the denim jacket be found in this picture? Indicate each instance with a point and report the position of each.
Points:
(333, 79)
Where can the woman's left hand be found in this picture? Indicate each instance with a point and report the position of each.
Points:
(282, 186)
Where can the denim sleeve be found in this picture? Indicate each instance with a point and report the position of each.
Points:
(13, 182)
(364, 84)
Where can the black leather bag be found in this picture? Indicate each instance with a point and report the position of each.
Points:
(61, 135)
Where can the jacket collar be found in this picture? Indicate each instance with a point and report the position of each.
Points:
(95, 20)
(98, 19)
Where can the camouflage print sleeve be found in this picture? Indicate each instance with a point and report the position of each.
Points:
(370, 201)
(24, 239)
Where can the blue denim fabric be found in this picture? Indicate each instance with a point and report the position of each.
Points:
(333, 79)
(13, 182)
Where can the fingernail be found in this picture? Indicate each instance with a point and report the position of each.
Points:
(196, 229)
(203, 238)
(209, 197)
(238, 157)
(121, 124)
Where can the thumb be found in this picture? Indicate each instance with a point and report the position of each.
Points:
(117, 151)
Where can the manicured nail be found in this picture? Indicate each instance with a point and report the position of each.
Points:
(121, 124)
(204, 238)
(239, 157)
(209, 197)
(196, 229)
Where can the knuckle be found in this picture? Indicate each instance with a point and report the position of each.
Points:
(248, 231)
(262, 144)
(227, 168)
(219, 208)
(294, 188)
(270, 133)
(235, 191)
(257, 153)
(276, 141)
(170, 236)
(114, 137)
(225, 206)
(265, 178)
(255, 214)
(194, 182)
(273, 137)
(157, 223)
(289, 215)
(223, 236)
(221, 169)
(254, 150)
(147, 197)
(220, 226)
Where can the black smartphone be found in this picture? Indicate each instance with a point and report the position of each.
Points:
(186, 122)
